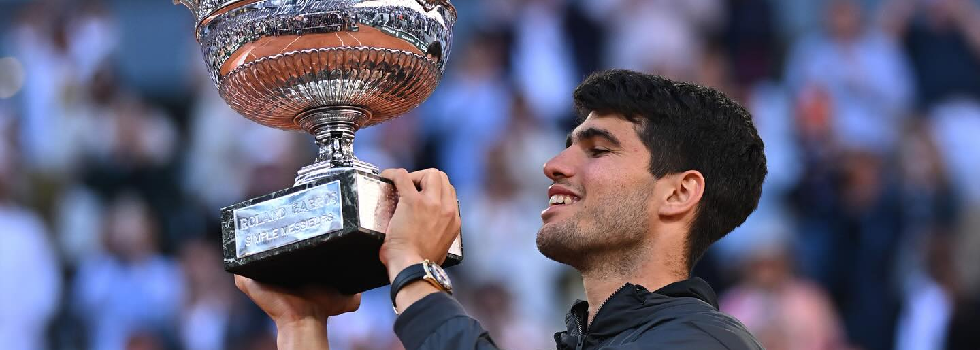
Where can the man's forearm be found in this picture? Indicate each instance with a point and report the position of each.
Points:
(410, 293)
(305, 334)
(438, 322)
(429, 319)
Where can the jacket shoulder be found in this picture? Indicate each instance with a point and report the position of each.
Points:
(697, 325)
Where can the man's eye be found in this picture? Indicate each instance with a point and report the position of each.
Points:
(595, 152)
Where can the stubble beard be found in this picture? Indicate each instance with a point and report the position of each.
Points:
(603, 236)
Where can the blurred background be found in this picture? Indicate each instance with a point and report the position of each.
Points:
(117, 153)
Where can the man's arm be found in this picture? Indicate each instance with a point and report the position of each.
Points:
(412, 292)
(438, 322)
(300, 315)
(424, 226)
(308, 334)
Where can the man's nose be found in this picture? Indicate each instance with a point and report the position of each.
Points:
(560, 166)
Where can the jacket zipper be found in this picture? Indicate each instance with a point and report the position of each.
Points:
(582, 329)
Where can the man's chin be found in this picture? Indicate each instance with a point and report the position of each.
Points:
(557, 245)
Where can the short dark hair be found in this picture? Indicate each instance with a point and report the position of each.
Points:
(688, 127)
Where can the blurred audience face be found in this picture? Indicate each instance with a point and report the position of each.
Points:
(482, 56)
(202, 264)
(207, 280)
(144, 341)
(7, 171)
(814, 112)
(920, 160)
(939, 254)
(502, 184)
(130, 232)
(768, 268)
(943, 12)
(131, 122)
(713, 71)
(862, 179)
(8, 151)
(493, 304)
(844, 19)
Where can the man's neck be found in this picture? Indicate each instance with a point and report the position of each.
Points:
(601, 282)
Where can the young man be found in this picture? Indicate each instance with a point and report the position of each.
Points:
(657, 171)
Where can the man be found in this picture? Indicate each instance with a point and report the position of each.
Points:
(657, 171)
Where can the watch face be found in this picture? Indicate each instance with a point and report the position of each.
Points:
(439, 274)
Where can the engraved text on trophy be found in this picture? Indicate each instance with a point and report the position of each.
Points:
(288, 219)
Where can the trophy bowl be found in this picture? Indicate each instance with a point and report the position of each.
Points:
(329, 68)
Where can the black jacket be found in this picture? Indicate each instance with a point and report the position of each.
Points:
(682, 315)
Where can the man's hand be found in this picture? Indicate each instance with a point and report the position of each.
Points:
(424, 225)
(426, 219)
(285, 306)
(300, 315)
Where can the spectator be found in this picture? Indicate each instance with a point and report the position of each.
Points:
(865, 252)
(928, 307)
(930, 203)
(93, 36)
(495, 224)
(469, 111)
(224, 147)
(943, 40)
(50, 93)
(659, 36)
(783, 311)
(864, 72)
(495, 308)
(210, 296)
(751, 41)
(31, 282)
(544, 66)
(131, 287)
(369, 328)
(954, 126)
(961, 332)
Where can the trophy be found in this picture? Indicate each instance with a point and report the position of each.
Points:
(327, 67)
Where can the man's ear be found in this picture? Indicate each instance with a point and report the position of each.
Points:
(684, 192)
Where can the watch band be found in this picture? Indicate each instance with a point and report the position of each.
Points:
(408, 275)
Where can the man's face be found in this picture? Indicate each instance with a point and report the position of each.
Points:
(602, 194)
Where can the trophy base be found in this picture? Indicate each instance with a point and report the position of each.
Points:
(324, 233)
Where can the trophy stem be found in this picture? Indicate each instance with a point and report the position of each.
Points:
(333, 128)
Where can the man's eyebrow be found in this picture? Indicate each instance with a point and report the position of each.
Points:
(591, 133)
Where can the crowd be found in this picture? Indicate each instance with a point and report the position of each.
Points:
(867, 235)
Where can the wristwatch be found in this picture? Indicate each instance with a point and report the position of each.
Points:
(426, 270)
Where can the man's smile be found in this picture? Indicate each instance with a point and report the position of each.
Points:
(559, 196)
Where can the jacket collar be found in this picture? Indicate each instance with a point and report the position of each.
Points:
(630, 305)
(693, 287)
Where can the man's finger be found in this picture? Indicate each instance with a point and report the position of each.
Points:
(432, 184)
(448, 191)
(448, 195)
(402, 180)
(332, 301)
(242, 283)
(417, 178)
(354, 304)
(453, 188)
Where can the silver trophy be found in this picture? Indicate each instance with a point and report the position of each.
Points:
(327, 67)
